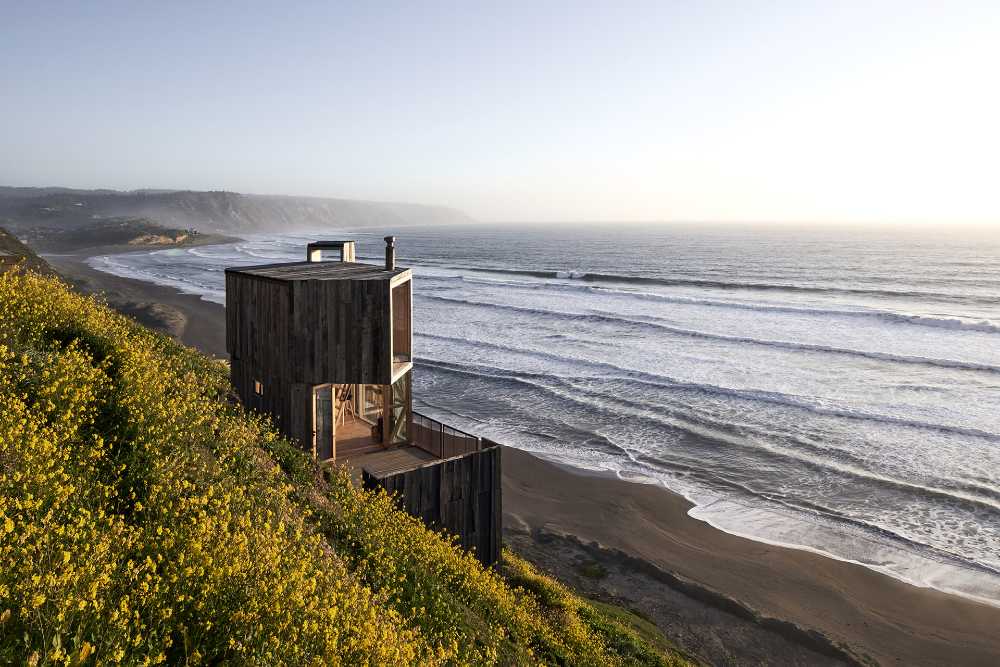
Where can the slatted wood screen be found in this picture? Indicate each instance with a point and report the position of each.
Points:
(461, 496)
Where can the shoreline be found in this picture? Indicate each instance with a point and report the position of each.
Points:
(186, 317)
(833, 609)
(695, 513)
(875, 615)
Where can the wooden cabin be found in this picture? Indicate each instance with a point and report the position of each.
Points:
(325, 348)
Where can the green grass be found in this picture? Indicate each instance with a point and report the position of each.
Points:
(592, 570)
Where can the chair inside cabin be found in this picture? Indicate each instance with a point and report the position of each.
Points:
(356, 412)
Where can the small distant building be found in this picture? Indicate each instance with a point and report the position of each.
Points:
(325, 348)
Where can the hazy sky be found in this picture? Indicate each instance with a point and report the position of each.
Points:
(784, 111)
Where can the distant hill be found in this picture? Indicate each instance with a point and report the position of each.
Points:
(214, 211)
(66, 236)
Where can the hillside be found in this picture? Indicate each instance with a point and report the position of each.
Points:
(146, 518)
(212, 211)
(11, 245)
(71, 235)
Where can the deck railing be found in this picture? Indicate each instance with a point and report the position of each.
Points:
(442, 440)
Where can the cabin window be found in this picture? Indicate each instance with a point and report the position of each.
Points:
(258, 387)
(400, 432)
(372, 402)
(401, 330)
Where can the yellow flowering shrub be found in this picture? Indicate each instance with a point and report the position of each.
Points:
(146, 518)
(141, 523)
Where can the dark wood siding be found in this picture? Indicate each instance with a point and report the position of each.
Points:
(341, 331)
(288, 404)
(311, 331)
(257, 321)
(459, 495)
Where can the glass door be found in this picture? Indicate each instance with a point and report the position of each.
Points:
(372, 402)
(400, 432)
(323, 422)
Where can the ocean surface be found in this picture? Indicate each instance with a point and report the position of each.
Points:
(832, 390)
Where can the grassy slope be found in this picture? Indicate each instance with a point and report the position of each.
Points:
(10, 243)
(144, 517)
(70, 233)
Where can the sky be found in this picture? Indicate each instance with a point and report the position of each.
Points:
(798, 112)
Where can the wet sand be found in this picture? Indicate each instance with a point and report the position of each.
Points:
(727, 599)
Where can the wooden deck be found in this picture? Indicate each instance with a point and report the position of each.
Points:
(386, 462)
(354, 437)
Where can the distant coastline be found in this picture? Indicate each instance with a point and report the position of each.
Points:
(210, 211)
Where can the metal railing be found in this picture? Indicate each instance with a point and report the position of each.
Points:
(442, 440)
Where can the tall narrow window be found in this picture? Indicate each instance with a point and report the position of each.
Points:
(372, 405)
(258, 387)
(400, 411)
(401, 329)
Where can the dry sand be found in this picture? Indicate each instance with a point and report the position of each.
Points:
(727, 599)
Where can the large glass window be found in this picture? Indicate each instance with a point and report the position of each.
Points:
(400, 410)
(323, 421)
(372, 402)
(401, 315)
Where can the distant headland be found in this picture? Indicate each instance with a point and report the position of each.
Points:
(209, 211)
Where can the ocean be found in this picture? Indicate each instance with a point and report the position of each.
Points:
(836, 390)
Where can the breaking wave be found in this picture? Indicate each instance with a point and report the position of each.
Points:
(601, 316)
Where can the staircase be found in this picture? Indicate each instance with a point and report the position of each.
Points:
(345, 402)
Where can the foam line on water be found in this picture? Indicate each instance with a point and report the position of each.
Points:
(727, 285)
(108, 264)
(852, 542)
(952, 323)
(614, 318)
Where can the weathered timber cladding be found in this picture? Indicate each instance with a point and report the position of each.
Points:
(311, 331)
(341, 331)
(257, 315)
(460, 496)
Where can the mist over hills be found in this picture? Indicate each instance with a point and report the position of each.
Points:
(211, 211)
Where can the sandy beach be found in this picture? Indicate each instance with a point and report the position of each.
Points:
(186, 317)
(724, 598)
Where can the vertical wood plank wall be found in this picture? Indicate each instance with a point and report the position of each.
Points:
(311, 331)
(341, 331)
(460, 496)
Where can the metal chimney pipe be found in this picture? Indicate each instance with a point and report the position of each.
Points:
(390, 253)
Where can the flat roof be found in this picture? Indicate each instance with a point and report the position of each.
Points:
(331, 270)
